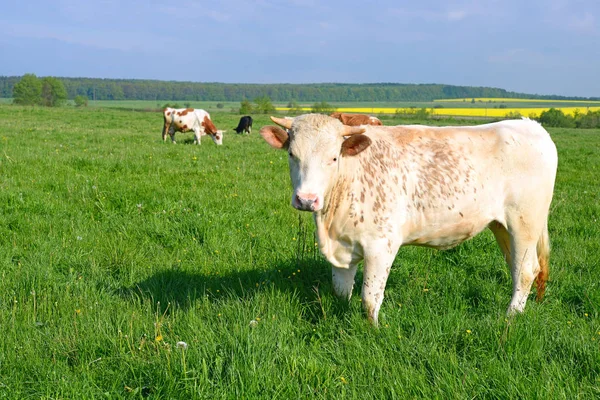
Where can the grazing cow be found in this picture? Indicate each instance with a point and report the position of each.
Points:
(356, 119)
(373, 189)
(245, 125)
(189, 119)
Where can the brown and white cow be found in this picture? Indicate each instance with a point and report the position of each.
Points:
(373, 189)
(356, 119)
(189, 119)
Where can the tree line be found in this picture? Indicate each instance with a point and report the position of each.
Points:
(136, 89)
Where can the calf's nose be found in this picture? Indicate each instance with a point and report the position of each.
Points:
(307, 201)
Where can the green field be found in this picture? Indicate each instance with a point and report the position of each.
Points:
(114, 247)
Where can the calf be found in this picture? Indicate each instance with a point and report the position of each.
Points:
(373, 189)
(356, 119)
(245, 125)
(189, 119)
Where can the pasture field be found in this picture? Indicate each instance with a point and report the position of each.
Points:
(136, 269)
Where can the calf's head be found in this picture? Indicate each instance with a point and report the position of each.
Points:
(217, 137)
(316, 145)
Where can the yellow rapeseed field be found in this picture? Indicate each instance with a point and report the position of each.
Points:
(532, 112)
(509, 100)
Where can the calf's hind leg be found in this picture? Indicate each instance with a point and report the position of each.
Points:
(524, 262)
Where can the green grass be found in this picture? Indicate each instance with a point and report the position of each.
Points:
(115, 246)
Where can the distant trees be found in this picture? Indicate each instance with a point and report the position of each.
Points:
(260, 105)
(81, 101)
(589, 120)
(53, 92)
(48, 91)
(322, 108)
(263, 105)
(138, 89)
(28, 91)
(246, 107)
(294, 107)
(556, 118)
(513, 115)
(414, 113)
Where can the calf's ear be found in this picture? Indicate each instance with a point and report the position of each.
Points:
(275, 136)
(355, 144)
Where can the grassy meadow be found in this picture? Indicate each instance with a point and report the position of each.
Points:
(132, 268)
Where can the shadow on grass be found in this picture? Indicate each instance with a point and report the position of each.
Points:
(309, 281)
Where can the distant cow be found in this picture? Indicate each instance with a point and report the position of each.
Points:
(373, 189)
(356, 119)
(245, 125)
(189, 119)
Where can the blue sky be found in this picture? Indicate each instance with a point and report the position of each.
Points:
(531, 46)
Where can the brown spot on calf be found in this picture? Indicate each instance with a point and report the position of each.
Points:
(209, 127)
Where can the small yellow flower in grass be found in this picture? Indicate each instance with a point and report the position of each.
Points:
(258, 318)
(344, 381)
(219, 314)
(425, 290)
(293, 238)
(270, 162)
(158, 338)
(78, 311)
(469, 332)
(585, 315)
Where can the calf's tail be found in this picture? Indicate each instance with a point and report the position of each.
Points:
(543, 253)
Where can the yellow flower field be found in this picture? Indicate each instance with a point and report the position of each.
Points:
(532, 112)
(509, 100)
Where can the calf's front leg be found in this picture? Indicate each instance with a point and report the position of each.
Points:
(378, 262)
(343, 281)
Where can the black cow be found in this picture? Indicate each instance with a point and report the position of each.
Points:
(245, 125)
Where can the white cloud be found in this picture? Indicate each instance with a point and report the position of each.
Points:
(429, 15)
(585, 23)
(456, 15)
(114, 40)
(518, 56)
